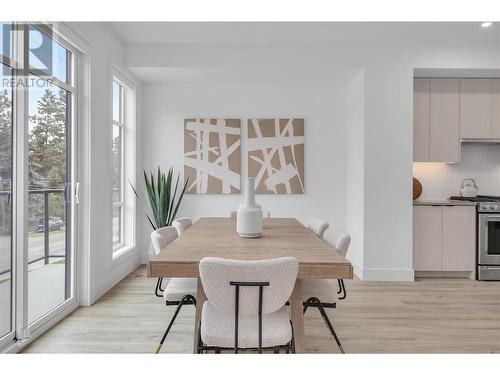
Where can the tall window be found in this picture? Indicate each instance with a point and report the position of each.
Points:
(117, 147)
(123, 161)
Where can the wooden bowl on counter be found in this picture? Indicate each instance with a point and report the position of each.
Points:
(417, 188)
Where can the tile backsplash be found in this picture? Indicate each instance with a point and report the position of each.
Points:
(480, 161)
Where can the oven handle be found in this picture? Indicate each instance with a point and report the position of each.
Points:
(491, 218)
(492, 268)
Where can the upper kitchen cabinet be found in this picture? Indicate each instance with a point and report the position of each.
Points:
(436, 120)
(475, 108)
(444, 120)
(495, 108)
(421, 118)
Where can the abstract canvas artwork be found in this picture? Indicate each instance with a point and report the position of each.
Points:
(276, 155)
(212, 155)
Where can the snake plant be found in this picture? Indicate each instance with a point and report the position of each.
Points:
(163, 202)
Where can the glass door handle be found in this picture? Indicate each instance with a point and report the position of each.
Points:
(77, 192)
(67, 189)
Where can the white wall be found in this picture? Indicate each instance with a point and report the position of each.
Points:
(479, 161)
(355, 217)
(98, 272)
(320, 104)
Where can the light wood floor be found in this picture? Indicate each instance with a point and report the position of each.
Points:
(426, 316)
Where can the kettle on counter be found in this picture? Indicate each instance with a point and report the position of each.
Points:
(468, 188)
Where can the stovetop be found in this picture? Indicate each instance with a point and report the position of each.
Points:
(486, 203)
(479, 198)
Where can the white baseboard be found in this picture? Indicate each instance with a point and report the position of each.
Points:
(446, 274)
(388, 274)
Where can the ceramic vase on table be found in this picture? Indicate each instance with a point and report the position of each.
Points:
(249, 220)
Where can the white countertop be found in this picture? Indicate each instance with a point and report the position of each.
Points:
(441, 202)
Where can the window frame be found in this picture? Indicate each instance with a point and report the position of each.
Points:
(121, 125)
(128, 162)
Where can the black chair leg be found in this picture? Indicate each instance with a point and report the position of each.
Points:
(307, 304)
(342, 289)
(158, 289)
(330, 325)
(184, 300)
(199, 344)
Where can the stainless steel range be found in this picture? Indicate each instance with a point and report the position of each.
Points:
(488, 240)
(488, 236)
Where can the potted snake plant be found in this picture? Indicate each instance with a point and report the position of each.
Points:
(163, 196)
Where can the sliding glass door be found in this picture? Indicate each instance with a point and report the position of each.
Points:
(37, 138)
(50, 97)
(6, 173)
(5, 208)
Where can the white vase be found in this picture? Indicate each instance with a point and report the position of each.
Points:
(249, 220)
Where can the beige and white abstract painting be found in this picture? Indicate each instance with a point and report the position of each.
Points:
(276, 155)
(212, 161)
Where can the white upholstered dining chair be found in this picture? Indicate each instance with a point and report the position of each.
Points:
(245, 307)
(318, 227)
(320, 293)
(182, 223)
(179, 291)
(265, 214)
(340, 241)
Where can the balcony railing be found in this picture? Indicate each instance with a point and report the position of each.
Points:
(46, 223)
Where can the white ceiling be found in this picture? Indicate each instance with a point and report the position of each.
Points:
(297, 32)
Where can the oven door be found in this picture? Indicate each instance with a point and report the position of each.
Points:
(489, 239)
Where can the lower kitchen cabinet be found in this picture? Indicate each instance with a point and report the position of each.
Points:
(444, 238)
(459, 238)
(427, 238)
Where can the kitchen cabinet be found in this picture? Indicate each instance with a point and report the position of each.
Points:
(444, 238)
(436, 120)
(444, 120)
(475, 108)
(459, 238)
(427, 238)
(421, 118)
(495, 108)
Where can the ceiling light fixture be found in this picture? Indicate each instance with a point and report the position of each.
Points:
(486, 24)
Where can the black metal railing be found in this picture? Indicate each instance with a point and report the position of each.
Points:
(46, 223)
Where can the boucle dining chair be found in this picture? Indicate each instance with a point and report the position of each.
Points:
(318, 227)
(341, 241)
(341, 244)
(320, 293)
(182, 223)
(245, 307)
(179, 291)
(265, 214)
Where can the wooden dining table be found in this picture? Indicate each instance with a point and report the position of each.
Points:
(281, 237)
